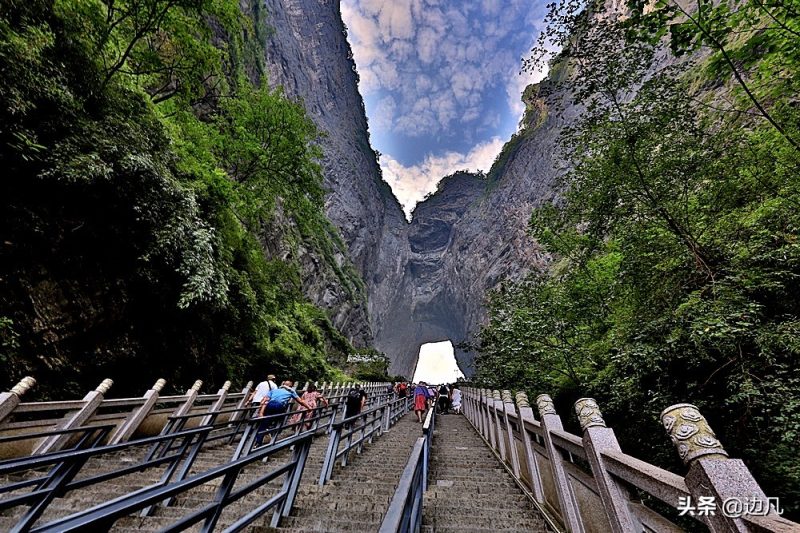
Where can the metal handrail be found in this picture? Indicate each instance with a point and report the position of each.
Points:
(405, 510)
(66, 465)
(103, 516)
(83, 442)
(369, 423)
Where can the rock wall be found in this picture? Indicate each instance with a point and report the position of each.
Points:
(309, 56)
(425, 281)
(470, 235)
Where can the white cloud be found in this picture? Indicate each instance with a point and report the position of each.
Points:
(383, 118)
(410, 184)
(427, 40)
(432, 70)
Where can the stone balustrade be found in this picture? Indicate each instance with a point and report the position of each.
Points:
(587, 484)
(134, 417)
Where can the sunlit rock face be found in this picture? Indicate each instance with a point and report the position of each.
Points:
(309, 56)
(425, 281)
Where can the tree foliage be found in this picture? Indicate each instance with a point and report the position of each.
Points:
(675, 243)
(156, 197)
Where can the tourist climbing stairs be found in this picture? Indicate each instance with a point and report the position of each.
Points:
(195, 462)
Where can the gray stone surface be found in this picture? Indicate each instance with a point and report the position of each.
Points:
(426, 280)
(309, 56)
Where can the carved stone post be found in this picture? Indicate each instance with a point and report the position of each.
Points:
(508, 409)
(496, 404)
(566, 499)
(484, 407)
(465, 405)
(76, 419)
(470, 396)
(243, 402)
(137, 416)
(597, 438)
(711, 473)
(526, 415)
(191, 396)
(218, 404)
(11, 399)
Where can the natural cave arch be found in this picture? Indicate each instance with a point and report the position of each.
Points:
(436, 363)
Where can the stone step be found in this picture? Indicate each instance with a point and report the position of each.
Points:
(321, 514)
(329, 525)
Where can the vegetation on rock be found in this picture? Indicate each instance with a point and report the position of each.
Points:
(676, 262)
(156, 199)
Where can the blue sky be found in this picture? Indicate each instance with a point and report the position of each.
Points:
(441, 83)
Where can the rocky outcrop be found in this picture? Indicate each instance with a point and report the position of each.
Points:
(425, 281)
(470, 235)
(309, 56)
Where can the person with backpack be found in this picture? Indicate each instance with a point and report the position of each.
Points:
(443, 401)
(276, 402)
(261, 390)
(421, 395)
(402, 389)
(355, 401)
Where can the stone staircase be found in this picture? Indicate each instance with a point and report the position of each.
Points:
(210, 457)
(468, 489)
(358, 495)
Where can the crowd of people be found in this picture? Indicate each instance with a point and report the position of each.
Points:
(269, 399)
(444, 398)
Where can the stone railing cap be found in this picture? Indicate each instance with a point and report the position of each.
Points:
(23, 386)
(104, 386)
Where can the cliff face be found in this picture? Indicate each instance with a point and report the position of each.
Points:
(470, 235)
(309, 56)
(425, 281)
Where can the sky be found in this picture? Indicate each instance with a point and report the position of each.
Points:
(437, 364)
(441, 82)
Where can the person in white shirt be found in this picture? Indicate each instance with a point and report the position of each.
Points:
(455, 399)
(262, 389)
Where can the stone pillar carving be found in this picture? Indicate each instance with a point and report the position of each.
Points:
(510, 412)
(566, 498)
(218, 404)
(597, 438)
(11, 399)
(75, 419)
(487, 418)
(526, 417)
(691, 434)
(191, 396)
(711, 474)
(243, 401)
(139, 414)
(497, 408)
